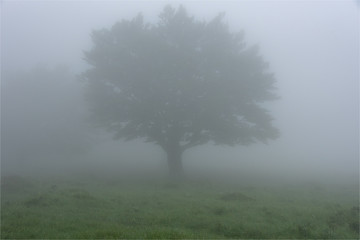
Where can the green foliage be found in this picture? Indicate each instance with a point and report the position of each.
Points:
(348, 218)
(75, 210)
(179, 83)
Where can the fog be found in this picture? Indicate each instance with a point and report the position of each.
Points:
(312, 48)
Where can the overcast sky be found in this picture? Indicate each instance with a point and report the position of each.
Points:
(312, 47)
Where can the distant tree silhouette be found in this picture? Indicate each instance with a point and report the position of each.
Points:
(179, 83)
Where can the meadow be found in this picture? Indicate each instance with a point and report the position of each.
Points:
(78, 208)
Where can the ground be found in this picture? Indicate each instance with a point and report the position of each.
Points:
(92, 208)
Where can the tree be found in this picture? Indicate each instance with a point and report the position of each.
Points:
(179, 83)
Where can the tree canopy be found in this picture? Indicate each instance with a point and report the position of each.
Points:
(179, 83)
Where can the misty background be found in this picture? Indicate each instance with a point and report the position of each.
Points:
(312, 48)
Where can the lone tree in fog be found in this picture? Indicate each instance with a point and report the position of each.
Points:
(179, 83)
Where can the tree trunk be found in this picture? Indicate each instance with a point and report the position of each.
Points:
(174, 160)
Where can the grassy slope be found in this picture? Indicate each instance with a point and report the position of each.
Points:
(116, 209)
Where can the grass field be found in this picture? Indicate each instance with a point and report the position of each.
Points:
(93, 208)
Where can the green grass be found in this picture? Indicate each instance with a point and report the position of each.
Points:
(115, 209)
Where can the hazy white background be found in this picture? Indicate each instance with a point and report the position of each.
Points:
(312, 47)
